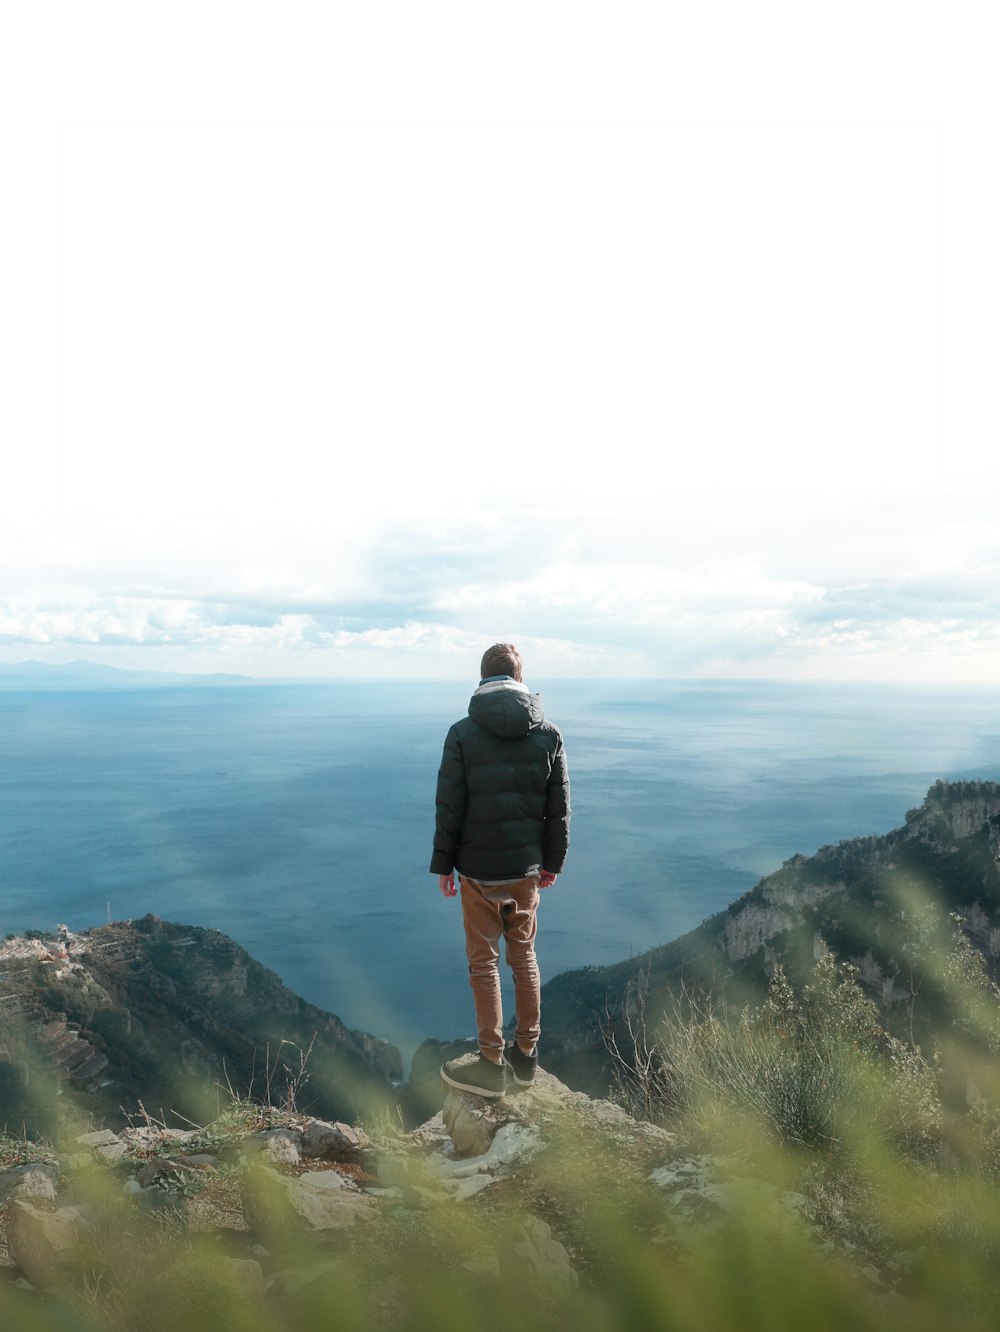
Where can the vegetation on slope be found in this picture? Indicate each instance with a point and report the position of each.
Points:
(874, 902)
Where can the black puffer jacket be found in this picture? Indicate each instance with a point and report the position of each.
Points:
(502, 790)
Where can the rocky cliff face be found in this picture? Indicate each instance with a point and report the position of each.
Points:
(866, 900)
(167, 1013)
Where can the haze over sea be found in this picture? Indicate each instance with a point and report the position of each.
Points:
(298, 818)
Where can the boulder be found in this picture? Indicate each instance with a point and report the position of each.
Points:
(472, 1121)
(280, 1146)
(317, 1200)
(100, 1138)
(104, 1143)
(530, 1255)
(34, 1180)
(42, 1243)
(335, 1142)
(327, 1201)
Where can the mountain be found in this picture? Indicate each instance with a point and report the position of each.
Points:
(74, 675)
(881, 903)
(165, 1014)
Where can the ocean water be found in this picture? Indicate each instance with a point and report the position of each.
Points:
(298, 818)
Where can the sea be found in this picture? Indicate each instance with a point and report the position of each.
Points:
(298, 817)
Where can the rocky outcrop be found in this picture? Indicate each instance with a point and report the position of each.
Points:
(303, 1179)
(507, 1184)
(167, 1013)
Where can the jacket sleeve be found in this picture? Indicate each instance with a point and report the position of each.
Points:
(450, 805)
(555, 832)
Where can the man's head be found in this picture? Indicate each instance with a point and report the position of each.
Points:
(501, 659)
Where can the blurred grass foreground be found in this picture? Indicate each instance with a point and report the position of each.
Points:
(786, 1164)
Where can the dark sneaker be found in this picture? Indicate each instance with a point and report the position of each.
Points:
(522, 1066)
(479, 1075)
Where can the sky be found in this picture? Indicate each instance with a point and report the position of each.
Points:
(343, 340)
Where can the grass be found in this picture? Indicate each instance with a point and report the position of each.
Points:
(855, 1184)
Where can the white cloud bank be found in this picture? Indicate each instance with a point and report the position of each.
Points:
(726, 617)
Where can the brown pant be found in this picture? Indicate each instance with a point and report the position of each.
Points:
(489, 913)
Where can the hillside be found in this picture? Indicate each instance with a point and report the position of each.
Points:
(867, 900)
(162, 1013)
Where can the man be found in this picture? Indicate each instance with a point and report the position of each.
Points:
(503, 826)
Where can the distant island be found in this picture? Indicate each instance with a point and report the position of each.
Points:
(74, 675)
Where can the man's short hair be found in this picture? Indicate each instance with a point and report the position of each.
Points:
(501, 659)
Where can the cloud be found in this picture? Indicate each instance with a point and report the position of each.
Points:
(728, 616)
(587, 595)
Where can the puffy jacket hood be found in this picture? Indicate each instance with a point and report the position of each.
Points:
(506, 709)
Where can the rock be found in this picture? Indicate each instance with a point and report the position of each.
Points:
(468, 1186)
(472, 1121)
(111, 1151)
(327, 1202)
(148, 1135)
(432, 1133)
(702, 1190)
(100, 1138)
(104, 1143)
(513, 1144)
(43, 1244)
(613, 1118)
(904, 1261)
(395, 1170)
(336, 1142)
(159, 1172)
(418, 1198)
(683, 1173)
(34, 1180)
(281, 1146)
(295, 1280)
(246, 1276)
(530, 1254)
(321, 1200)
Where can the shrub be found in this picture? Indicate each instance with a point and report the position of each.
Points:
(810, 1070)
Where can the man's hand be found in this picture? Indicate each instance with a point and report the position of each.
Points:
(446, 882)
(545, 879)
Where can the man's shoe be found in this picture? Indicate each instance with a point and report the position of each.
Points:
(522, 1066)
(480, 1075)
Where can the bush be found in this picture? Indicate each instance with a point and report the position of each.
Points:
(810, 1070)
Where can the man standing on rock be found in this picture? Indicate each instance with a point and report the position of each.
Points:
(503, 828)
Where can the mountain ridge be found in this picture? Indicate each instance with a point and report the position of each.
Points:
(856, 899)
(152, 1011)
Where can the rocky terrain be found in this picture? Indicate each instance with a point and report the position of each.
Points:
(868, 901)
(277, 1203)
